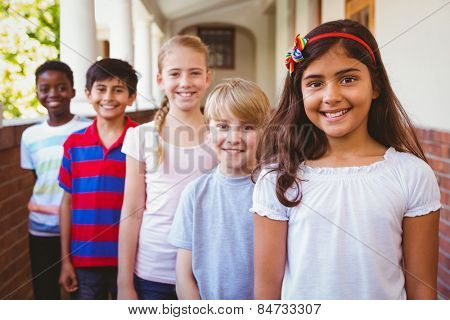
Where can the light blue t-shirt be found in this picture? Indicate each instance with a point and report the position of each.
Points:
(214, 222)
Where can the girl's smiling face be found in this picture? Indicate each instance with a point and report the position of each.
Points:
(184, 77)
(337, 94)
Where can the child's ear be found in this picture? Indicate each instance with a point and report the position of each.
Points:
(159, 81)
(376, 92)
(131, 99)
(88, 93)
(74, 93)
(208, 77)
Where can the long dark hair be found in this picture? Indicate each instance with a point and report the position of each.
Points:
(290, 137)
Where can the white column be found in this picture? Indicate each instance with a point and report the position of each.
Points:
(306, 16)
(302, 8)
(157, 36)
(78, 45)
(334, 10)
(121, 31)
(143, 62)
(284, 39)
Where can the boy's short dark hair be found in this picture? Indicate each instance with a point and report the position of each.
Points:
(55, 65)
(112, 68)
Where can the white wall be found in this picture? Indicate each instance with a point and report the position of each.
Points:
(417, 58)
(248, 15)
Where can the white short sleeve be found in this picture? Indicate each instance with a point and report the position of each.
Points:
(25, 158)
(422, 189)
(131, 145)
(265, 201)
(140, 142)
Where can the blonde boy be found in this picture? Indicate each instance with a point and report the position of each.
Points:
(213, 228)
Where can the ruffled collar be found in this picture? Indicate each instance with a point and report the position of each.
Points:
(349, 170)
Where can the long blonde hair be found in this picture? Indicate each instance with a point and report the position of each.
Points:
(187, 41)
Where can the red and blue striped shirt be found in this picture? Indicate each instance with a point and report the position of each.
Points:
(95, 177)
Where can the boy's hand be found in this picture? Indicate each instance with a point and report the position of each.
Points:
(68, 278)
(126, 293)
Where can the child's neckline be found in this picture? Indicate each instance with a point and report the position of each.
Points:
(231, 180)
(349, 170)
(47, 122)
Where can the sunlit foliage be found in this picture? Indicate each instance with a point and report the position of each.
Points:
(29, 35)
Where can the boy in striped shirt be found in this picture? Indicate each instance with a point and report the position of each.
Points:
(92, 175)
(41, 150)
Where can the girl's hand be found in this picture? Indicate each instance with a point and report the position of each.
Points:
(130, 224)
(126, 293)
(68, 278)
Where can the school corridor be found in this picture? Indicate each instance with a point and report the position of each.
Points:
(247, 39)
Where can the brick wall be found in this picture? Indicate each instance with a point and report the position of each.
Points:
(436, 145)
(16, 186)
(15, 189)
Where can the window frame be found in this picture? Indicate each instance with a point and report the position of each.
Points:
(354, 6)
(200, 33)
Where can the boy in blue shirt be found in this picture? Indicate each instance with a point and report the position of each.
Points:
(213, 228)
(41, 151)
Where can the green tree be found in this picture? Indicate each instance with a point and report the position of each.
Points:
(29, 35)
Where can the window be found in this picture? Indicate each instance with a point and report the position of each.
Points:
(361, 11)
(220, 42)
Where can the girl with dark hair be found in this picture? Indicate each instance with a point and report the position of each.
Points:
(346, 204)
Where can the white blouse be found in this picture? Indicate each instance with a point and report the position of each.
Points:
(155, 257)
(345, 237)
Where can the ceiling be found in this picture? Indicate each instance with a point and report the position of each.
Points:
(175, 9)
